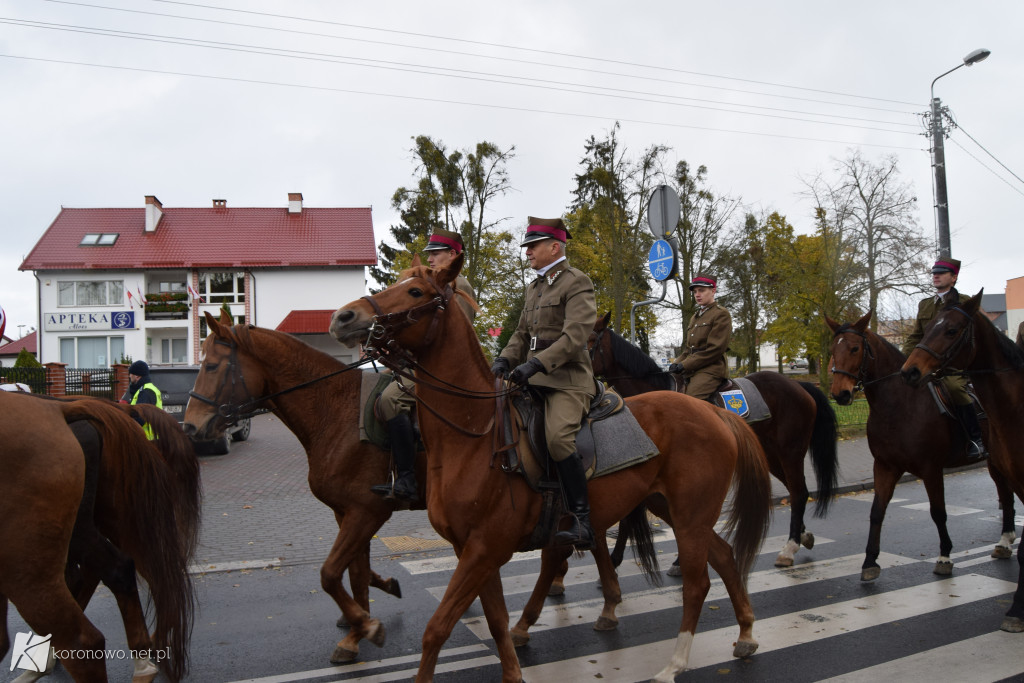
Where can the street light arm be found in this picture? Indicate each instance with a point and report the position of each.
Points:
(945, 74)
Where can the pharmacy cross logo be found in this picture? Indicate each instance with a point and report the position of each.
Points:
(30, 652)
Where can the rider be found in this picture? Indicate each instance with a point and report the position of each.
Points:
(944, 276)
(702, 362)
(396, 403)
(142, 390)
(549, 350)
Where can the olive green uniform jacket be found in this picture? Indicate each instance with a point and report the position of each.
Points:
(559, 311)
(927, 310)
(703, 357)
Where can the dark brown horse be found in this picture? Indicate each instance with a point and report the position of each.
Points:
(905, 433)
(487, 514)
(801, 419)
(318, 398)
(962, 336)
(84, 497)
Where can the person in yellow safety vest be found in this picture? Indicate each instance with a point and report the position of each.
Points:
(142, 390)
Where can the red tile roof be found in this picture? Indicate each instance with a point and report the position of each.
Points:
(218, 237)
(15, 347)
(306, 322)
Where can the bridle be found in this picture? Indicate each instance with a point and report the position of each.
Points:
(866, 353)
(965, 338)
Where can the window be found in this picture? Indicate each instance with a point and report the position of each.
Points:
(222, 287)
(173, 351)
(90, 293)
(204, 330)
(101, 239)
(91, 352)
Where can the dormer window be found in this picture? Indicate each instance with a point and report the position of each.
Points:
(98, 239)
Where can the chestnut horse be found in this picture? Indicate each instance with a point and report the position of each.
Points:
(905, 433)
(801, 419)
(962, 336)
(487, 513)
(84, 497)
(318, 398)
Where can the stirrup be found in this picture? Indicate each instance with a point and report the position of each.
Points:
(976, 451)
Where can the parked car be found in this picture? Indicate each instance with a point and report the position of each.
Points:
(174, 383)
(797, 363)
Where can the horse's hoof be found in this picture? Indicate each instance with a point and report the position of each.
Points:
(744, 648)
(807, 539)
(342, 655)
(520, 638)
(342, 622)
(943, 568)
(674, 570)
(375, 633)
(783, 561)
(145, 671)
(1012, 625)
(392, 588)
(606, 624)
(1001, 553)
(870, 573)
(556, 589)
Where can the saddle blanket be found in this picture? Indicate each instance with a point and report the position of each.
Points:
(371, 429)
(746, 401)
(618, 442)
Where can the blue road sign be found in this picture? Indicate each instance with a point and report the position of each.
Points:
(662, 260)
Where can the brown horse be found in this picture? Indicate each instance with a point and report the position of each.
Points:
(487, 514)
(318, 398)
(905, 433)
(84, 497)
(801, 419)
(962, 336)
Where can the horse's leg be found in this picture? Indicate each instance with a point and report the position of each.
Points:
(354, 533)
(1004, 548)
(558, 580)
(388, 585)
(792, 466)
(937, 506)
(723, 562)
(609, 584)
(1013, 622)
(475, 569)
(552, 559)
(693, 547)
(885, 485)
(492, 599)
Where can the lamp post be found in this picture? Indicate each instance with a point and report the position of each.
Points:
(938, 133)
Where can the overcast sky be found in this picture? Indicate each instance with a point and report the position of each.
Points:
(761, 93)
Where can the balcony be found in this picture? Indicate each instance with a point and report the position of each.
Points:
(167, 306)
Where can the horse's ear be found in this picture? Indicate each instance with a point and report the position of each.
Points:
(832, 324)
(602, 322)
(214, 326)
(862, 324)
(447, 275)
(974, 303)
(416, 262)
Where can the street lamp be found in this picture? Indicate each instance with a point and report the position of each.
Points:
(938, 133)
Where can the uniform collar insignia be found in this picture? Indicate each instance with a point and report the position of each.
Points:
(554, 276)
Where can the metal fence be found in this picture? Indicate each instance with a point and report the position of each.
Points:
(35, 378)
(853, 415)
(90, 382)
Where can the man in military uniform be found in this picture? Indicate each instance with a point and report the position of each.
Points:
(549, 352)
(702, 362)
(944, 276)
(396, 404)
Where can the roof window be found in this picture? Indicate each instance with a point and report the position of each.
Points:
(102, 239)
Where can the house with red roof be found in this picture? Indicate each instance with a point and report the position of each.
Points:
(118, 283)
(11, 348)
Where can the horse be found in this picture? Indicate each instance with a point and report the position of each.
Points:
(801, 419)
(487, 513)
(318, 398)
(84, 497)
(962, 336)
(906, 433)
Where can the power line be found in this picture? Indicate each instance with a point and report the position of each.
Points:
(492, 57)
(989, 153)
(559, 86)
(1012, 187)
(445, 101)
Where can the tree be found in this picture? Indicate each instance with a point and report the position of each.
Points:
(26, 360)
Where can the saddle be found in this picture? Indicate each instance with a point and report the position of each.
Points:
(742, 397)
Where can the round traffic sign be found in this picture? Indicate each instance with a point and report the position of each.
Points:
(663, 211)
(662, 260)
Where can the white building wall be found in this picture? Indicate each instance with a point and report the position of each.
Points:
(279, 292)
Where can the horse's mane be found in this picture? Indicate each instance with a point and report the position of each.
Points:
(309, 358)
(636, 363)
(1010, 351)
(885, 343)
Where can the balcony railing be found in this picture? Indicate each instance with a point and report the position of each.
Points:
(167, 306)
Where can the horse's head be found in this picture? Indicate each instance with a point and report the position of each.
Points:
(948, 341)
(221, 393)
(850, 353)
(403, 316)
(599, 345)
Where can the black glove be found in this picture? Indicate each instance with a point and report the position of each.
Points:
(675, 368)
(525, 371)
(500, 367)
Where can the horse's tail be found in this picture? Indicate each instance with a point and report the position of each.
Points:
(635, 527)
(751, 509)
(824, 453)
(152, 513)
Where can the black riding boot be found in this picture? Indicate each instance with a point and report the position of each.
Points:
(403, 450)
(975, 446)
(574, 484)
